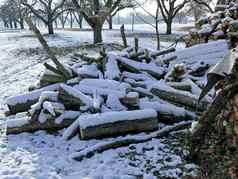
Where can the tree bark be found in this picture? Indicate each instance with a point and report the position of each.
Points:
(169, 27)
(22, 23)
(50, 28)
(109, 22)
(97, 34)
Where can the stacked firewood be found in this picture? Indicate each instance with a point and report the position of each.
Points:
(223, 24)
(110, 93)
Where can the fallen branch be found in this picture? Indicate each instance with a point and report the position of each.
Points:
(99, 148)
(66, 73)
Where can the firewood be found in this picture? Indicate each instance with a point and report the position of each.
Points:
(89, 152)
(179, 97)
(73, 98)
(23, 102)
(138, 67)
(180, 85)
(20, 125)
(117, 123)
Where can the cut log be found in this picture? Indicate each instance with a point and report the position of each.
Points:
(73, 98)
(135, 83)
(117, 123)
(52, 68)
(143, 92)
(112, 70)
(48, 79)
(137, 67)
(131, 99)
(179, 97)
(99, 148)
(20, 125)
(180, 86)
(23, 102)
(169, 113)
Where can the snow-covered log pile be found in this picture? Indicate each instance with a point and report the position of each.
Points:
(115, 93)
(223, 24)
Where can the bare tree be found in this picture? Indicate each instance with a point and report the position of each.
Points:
(96, 12)
(123, 5)
(169, 9)
(156, 19)
(11, 13)
(46, 10)
(206, 3)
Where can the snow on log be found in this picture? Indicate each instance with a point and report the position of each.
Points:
(180, 85)
(125, 141)
(117, 123)
(114, 103)
(19, 125)
(137, 67)
(168, 93)
(88, 71)
(73, 98)
(23, 102)
(112, 70)
(103, 87)
(139, 76)
(131, 99)
(168, 113)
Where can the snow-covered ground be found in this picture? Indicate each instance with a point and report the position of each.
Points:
(47, 156)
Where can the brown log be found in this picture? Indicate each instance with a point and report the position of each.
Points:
(32, 126)
(72, 100)
(180, 86)
(89, 152)
(121, 125)
(53, 69)
(189, 101)
(23, 102)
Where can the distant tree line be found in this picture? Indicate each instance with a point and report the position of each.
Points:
(55, 13)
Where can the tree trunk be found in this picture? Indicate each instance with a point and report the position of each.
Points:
(5, 24)
(169, 26)
(10, 22)
(71, 20)
(81, 23)
(158, 38)
(97, 34)
(15, 24)
(22, 23)
(110, 22)
(50, 28)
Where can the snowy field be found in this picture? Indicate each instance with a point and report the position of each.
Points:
(48, 156)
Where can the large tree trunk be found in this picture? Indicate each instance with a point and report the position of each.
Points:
(50, 28)
(109, 22)
(169, 26)
(97, 34)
